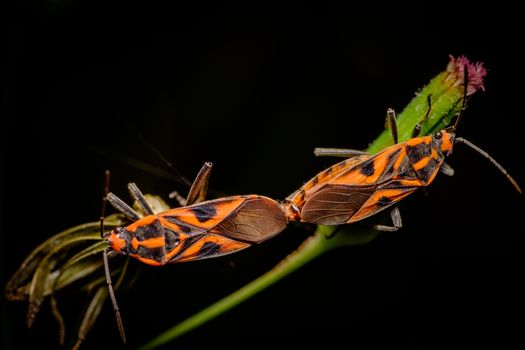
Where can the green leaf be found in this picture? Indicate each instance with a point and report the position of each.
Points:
(16, 286)
(44, 268)
(73, 273)
(310, 248)
(91, 315)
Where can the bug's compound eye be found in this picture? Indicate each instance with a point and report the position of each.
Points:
(115, 239)
(438, 135)
(113, 232)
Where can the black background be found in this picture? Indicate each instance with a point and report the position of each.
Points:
(254, 89)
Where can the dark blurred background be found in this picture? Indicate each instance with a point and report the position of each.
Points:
(254, 89)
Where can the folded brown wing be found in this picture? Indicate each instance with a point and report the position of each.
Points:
(205, 247)
(255, 220)
(335, 204)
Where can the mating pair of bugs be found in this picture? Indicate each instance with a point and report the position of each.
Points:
(352, 190)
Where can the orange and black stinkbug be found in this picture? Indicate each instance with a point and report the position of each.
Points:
(365, 184)
(197, 230)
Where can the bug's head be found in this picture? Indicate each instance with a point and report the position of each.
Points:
(445, 140)
(119, 239)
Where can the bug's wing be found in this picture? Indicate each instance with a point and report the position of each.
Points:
(226, 225)
(325, 176)
(362, 188)
(382, 199)
(341, 196)
(339, 204)
(249, 218)
(372, 171)
(255, 220)
(335, 204)
(207, 246)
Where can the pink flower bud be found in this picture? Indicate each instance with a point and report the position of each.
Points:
(456, 74)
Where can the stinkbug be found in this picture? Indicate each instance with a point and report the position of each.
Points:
(197, 230)
(365, 184)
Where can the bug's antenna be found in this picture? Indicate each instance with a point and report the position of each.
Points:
(174, 170)
(492, 160)
(107, 175)
(391, 124)
(113, 299)
(419, 126)
(464, 103)
(161, 157)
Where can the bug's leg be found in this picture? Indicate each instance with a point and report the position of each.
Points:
(349, 153)
(139, 198)
(338, 152)
(116, 202)
(130, 213)
(107, 178)
(180, 199)
(112, 296)
(121, 206)
(199, 187)
(446, 169)
(395, 214)
(419, 126)
(391, 123)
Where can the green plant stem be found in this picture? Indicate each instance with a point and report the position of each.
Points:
(314, 246)
(309, 249)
